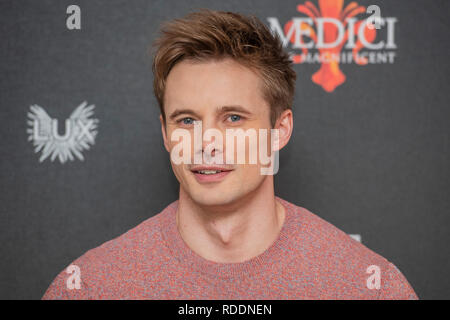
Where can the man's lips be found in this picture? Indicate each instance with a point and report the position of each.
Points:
(209, 168)
(210, 173)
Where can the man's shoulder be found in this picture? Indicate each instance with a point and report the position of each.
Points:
(336, 256)
(114, 261)
(134, 244)
(323, 238)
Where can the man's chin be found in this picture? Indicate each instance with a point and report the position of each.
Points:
(214, 198)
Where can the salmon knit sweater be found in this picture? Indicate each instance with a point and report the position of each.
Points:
(310, 259)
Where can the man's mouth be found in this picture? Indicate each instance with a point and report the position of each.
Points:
(210, 174)
(208, 171)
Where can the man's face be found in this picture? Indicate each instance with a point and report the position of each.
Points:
(222, 95)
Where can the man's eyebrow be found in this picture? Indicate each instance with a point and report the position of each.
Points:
(221, 109)
(177, 112)
(235, 108)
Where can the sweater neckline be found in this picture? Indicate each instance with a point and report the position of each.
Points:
(276, 252)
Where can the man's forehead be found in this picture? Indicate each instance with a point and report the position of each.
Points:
(207, 83)
(226, 73)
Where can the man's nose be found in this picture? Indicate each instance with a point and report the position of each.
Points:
(212, 138)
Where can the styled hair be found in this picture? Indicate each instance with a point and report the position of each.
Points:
(213, 35)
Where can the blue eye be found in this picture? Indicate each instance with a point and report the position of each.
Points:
(187, 120)
(235, 118)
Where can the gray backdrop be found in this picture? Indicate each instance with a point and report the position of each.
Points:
(371, 157)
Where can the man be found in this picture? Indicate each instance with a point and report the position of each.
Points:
(227, 236)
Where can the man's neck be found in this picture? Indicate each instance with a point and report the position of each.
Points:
(233, 235)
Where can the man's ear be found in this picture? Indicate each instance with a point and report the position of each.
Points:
(164, 133)
(285, 125)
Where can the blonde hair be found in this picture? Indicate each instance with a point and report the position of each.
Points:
(207, 35)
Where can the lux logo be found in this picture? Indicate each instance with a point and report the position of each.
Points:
(329, 28)
(80, 133)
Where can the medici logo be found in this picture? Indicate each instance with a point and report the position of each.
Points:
(332, 34)
(78, 134)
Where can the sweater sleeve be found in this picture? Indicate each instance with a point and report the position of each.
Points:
(63, 288)
(394, 285)
(60, 290)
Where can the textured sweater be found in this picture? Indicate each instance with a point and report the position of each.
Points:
(310, 259)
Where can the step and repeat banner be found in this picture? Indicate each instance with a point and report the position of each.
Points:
(82, 159)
